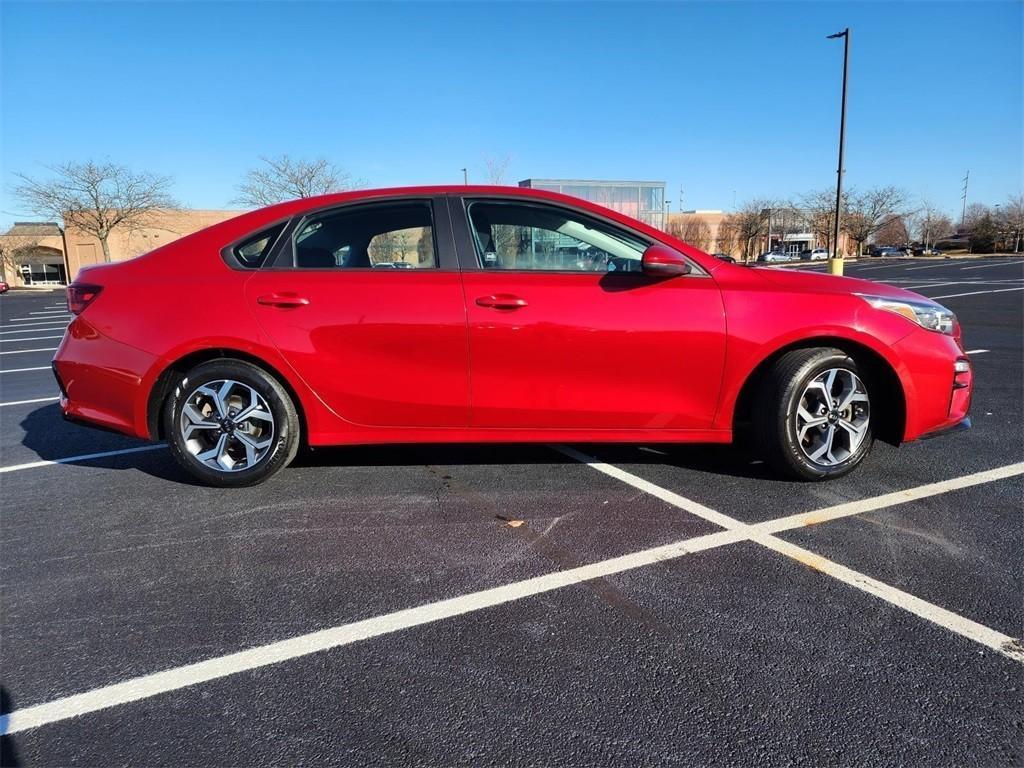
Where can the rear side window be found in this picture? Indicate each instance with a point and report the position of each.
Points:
(388, 236)
(252, 252)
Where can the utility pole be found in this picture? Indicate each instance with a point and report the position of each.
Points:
(680, 206)
(835, 265)
(963, 198)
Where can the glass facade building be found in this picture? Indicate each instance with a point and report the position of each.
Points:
(643, 200)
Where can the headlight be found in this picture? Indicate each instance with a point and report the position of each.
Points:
(927, 314)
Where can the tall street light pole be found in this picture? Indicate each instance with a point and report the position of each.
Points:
(835, 264)
(465, 176)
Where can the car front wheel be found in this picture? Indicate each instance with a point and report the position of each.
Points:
(812, 417)
(231, 424)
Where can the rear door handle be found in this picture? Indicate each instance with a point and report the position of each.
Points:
(284, 300)
(501, 301)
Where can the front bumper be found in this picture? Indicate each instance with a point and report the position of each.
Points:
(960, 426)
(938, 383)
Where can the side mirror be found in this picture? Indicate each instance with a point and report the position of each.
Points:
(662, 261)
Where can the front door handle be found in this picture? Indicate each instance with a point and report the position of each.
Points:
(501, 301)
(283, 300)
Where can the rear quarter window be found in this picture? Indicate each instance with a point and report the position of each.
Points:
(250, 253)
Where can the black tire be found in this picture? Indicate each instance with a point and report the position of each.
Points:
(286, 425)
(774, 408)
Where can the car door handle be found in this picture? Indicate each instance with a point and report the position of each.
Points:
(284, 300)
(501, 301)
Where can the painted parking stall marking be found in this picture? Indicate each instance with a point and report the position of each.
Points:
(997, 641)
(25, 370)
(76, 459)
(24, 351)
(735, 531)
(33, 400)
(977, 293)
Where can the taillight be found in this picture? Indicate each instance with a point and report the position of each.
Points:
(81, 295)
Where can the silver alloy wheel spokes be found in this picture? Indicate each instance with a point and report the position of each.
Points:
(832, 417)
(227, 425)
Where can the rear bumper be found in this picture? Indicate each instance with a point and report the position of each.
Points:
(100, 379)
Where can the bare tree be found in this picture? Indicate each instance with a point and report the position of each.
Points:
(893, 232)
(975, 214)
(496, 168)
(13, 251)
(97, 198)
(928, 225)
(747, 225)
(820, 206)
(285, 178)
(692, 229)
(869, 211)
(1011, 217)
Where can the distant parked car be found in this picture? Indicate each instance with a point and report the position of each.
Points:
(4, 287)
(773, 256)
(890, 252)
(818, 254)
(925, 251)
(725, 257)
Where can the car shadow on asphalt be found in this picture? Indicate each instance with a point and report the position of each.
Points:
(49, 438)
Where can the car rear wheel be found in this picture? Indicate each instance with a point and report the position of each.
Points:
(812, 415)
(231, 424)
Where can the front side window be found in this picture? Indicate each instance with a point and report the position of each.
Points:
(526, 236)
(389, 236)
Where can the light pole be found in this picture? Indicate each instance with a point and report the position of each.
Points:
(465, 177)
(835, 264)
(668, 205)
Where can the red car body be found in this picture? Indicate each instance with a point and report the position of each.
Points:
(397, 356)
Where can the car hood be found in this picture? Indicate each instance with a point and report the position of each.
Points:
(815, 282)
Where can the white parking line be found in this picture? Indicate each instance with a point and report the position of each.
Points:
(33, 330)
(146, 686)
(997, 641)
(50, 312)
(933, 266)
(56, 320)
(23, 351)
(874, 268)
(989, 266)
(27, 402)
(976, 351)
(37, 320)
(972, 293)
(22, 370)
(83, 457)
(30, 338)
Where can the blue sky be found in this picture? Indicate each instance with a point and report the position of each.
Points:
(719, 98)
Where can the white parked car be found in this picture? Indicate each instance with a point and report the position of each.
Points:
(776, 256)
(819, 254)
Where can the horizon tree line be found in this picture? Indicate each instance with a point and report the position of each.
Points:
(100, 198)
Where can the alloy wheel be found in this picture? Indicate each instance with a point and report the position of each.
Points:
(227, 425)
(832, 417)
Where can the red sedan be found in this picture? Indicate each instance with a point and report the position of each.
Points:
(493, 314)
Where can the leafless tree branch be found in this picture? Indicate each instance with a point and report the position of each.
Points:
(96, 197)
(285, 178)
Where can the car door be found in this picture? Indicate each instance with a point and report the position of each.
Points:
(567, 333)
(365, 303)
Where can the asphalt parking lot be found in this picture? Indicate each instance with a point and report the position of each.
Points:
(518, 605)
